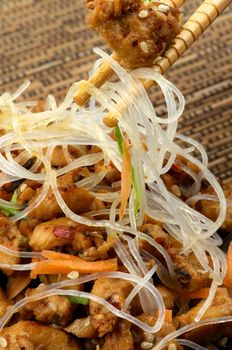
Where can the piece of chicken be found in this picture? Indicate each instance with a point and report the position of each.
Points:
(77, 199)
(115, 292)
(120, 338)
(82, 328)
(190, 275)
(211, 208)
(10, 237)
(138, 31)
(220, 307)
(4, 303)
(63, 231)
(33, 336)
(55, 309)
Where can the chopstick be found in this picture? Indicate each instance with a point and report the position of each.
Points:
(202, 18)
(105, 72)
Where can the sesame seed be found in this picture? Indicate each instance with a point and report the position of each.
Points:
(146, 345)
(172, 346)
(3, 342)
(148, 337)
(163, 8)
(72, 275)
(176, 190)
(143, 14)
(144, 47)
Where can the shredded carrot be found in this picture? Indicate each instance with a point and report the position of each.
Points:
(51, 255)
(17, 283)
(125, 178)
(203, 293)
(168, 316)
(65, 263)
(228, 277)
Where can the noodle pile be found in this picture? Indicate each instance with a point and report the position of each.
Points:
(153, 144)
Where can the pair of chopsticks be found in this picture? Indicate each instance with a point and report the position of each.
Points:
(202, 18)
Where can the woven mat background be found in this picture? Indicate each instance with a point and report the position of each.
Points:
(47, 42)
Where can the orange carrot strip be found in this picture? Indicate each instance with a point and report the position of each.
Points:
(125, 178)
(168, 316)
(16, 284)
(228, 277)
(53, 267)
(51, 255)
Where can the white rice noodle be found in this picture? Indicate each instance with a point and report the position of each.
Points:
(191, 344)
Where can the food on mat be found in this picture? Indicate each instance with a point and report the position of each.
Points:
(137, 31)
(110, 237)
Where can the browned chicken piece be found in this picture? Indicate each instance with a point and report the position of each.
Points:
(140, 336)
(155, 232)
(221, 306)
(45, 234)
(169, 296)
(120, 338)
(115, 292)
(190, 275)
(77, 199)
(58, 157)
(211, 208)
(63, 231)
(82, 328)
(11, 238)
(28, 335)
(4, 302)
(26, 226)
(137, 31)
(55, 309)
(17, 283)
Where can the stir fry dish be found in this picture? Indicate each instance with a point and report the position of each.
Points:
(112, 237)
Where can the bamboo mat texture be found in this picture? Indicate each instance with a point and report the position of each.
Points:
(47, 42)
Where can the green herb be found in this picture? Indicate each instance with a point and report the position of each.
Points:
(11, 211)
(78, 300)
(119, 139)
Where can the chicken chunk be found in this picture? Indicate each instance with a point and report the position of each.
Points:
(168, 296)
(55, 309)
(221, 306)
(4, 302)
(82, 328)
(115, 292)
(63, 231)
(77, 199)
(211, 208)
(155, 232)
(119, 339)
(10, 237)
(33, 336)
(190, 275)
(44, 235)
(136, 30)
